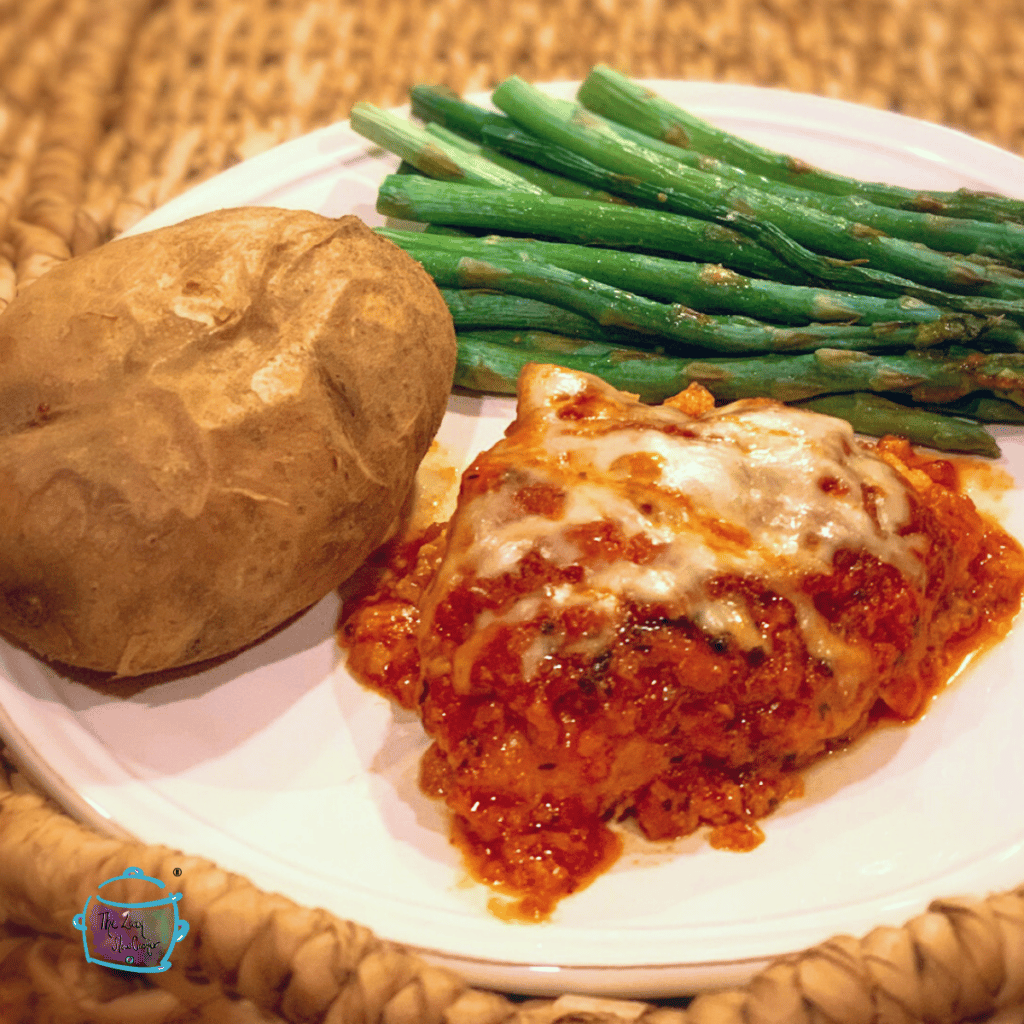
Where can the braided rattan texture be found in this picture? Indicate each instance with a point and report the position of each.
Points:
(110, 107)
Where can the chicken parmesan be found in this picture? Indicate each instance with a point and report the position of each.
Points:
(664, 613)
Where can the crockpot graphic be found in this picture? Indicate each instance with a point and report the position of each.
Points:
(131, 936)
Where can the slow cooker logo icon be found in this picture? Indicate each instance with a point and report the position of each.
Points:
(131, 936)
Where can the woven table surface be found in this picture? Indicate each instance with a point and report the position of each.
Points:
(108, 108)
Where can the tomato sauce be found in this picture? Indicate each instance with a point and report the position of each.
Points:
(554, 720)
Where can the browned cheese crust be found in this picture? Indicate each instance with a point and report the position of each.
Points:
(205, 428)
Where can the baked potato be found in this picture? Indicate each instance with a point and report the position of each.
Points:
(206, 428)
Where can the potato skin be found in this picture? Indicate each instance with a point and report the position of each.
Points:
(206, 428)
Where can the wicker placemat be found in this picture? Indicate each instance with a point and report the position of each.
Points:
(110, 107)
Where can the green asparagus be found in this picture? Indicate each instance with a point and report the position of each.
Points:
(995, 243)
(474, 310)
(509, 138)
(432, 156)
(710, 287)
(928, 378)
(546, 181)
(491, 361)
(444, 108)
(440, 105)
(577, 220)
(649, 323)
(982, 407)
(621, 99)
(877, 416)
(614, 226)
(750, 210)
(749, 245)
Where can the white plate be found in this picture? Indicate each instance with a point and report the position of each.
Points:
(277, 765)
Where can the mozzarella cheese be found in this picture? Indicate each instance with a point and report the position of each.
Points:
(754, 489)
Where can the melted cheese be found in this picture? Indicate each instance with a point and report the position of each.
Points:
(753, 489)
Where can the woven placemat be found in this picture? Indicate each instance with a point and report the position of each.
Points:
(108, 108)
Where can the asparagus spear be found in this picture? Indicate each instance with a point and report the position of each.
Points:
(577, 220)
(877, 416)
(502, 133)
(614, 226)
(646, 321)
(1000, 244)
(749, 210)
(546, 181)
(440, 105)
(712, 288)
(443, 107)
(621, 99)
(982, 407)
(928, 378)
(627, 103)
(474, 310)
(433, 157)
(510, 138)
(491, 361)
